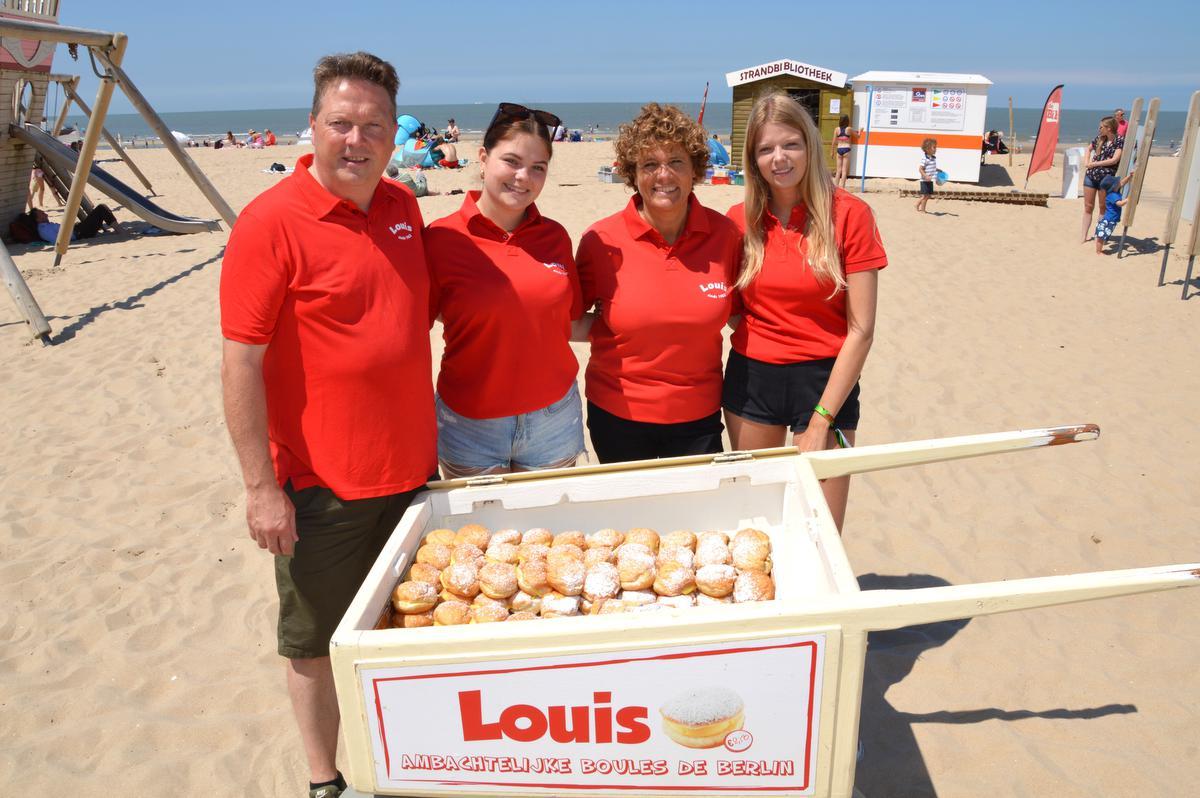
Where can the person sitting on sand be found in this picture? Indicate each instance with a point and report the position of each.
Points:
(445, 154)
(452, 132)
(268, 138)
(100, 216)
(229, 140)
(254, 140)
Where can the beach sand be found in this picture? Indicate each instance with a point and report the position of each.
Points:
(139, 620)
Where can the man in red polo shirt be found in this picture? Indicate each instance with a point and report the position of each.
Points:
(327, 376)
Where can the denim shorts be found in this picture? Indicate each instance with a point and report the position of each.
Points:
(539, 439)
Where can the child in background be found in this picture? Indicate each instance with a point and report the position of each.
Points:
(927, 172)
(1113, 203)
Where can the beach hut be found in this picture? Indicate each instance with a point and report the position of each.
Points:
(821, 90)
(908, 107)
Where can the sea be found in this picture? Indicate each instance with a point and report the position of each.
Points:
(595, 120)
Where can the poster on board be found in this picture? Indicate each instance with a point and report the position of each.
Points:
(919, 108)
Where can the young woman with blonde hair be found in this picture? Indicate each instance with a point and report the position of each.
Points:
(811, 256)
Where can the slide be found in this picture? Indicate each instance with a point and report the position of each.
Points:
(63, 160)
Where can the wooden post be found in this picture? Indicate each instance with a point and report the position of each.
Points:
(68, 92)
(23, 297)
(1139, 172)
(88, 151)
(1130, 137)
(1181, 176)
(164, 133)
(112, 141)
(1012, 141)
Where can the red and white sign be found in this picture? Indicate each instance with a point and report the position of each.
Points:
(786, 67)
(701, 719)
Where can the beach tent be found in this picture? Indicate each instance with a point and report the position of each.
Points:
(182, 138)
(305, 137)
(717, 155)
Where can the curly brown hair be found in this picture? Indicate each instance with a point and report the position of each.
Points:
(660, 125)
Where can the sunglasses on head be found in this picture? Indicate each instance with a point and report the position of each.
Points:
(507, 111)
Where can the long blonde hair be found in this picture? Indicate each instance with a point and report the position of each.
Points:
(816, 192)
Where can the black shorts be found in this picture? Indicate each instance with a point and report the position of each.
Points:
(927, 187)
(340, 540)
(619, 440)
(782, 395)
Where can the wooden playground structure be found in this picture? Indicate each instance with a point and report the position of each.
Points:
(29, 35)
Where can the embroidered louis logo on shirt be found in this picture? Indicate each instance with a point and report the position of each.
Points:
(557, 268)
(402, 230)
(717, 290)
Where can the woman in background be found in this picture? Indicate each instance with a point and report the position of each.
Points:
(1101, 160)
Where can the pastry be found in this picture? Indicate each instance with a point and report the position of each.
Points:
(532, 577)
(435, 554)
(637, 598)
(512, 536)
(443, 536)
(635, 564)
(609, 606)
(503, 552)
(642, 536)
(565, 551)
(711, 550)
(599, 554)
(704, 600)
(702, 718)
(498, 580)
(523, 615)
(424, 572)
(484, 600)
(566, 574)
(753, 586)
(538, 535)
(751, 551)
(677, 602)
(532, 551)
(683, 538)
(674, 579)
(462, 579)
(556, 605)
(413, 620)
(474, 534)
(601, 582)
(573, 537)
(523, 602)
(712, 533)
(488, 613)
(676, 554)
(466, 553)
(451, 613)
(605, 537)
(414, 597)
(716, 580)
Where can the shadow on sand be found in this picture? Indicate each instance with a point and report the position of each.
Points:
(892, 764)
(131, 302)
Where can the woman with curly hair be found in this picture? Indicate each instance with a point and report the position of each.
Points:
(811, 259)
(660, 274)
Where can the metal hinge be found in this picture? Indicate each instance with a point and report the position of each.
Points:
(733, 457)
(483, 481)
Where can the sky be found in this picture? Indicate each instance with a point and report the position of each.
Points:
(204, 56)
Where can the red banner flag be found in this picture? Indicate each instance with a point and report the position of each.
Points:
(703, 103)
(1047, 135)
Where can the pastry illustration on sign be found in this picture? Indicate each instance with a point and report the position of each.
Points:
(702, 717)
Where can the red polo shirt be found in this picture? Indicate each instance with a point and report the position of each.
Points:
(656, 342)
(788, 316)
(341, 299)
(507, 301)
